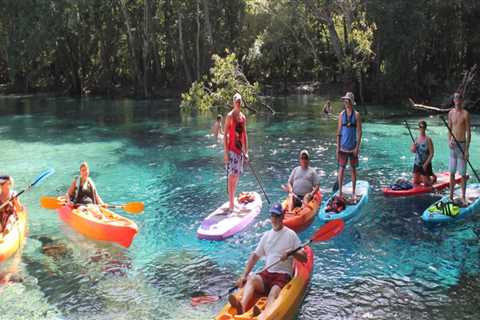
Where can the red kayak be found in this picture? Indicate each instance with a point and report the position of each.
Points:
(443, 181)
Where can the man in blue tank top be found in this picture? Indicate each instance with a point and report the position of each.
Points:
(349, 137)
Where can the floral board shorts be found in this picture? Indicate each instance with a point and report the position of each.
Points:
(235, 164)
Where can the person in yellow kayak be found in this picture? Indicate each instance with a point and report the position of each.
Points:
(84, 193)
(274, 246)
(10, 207)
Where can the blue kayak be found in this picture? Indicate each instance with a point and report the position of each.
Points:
(352, 209)
(444, 211)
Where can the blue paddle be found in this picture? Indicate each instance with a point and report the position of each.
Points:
(40, 178)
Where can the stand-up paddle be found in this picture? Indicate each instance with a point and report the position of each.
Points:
(53, 203)
(38, 180)
(459, 147)
(256, 177)
(325, 233)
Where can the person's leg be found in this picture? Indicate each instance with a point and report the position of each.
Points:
(342, 163)
(462, 169)
(254, 284)
(354, 164)
(416, 178)
(232, 188)
(452, 167)
(290, 202)
(426, 181)
(272, 296)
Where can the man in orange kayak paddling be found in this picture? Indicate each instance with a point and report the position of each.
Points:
(83, 192)
(303, 181)
(235, 146)
(459, 122)
(274, 246)
(349, 138)
(8, 214)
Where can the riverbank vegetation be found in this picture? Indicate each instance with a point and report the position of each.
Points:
(384, 51)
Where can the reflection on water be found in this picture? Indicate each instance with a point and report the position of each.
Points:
(386, 263)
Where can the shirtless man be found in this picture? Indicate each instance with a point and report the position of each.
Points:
(459, 122)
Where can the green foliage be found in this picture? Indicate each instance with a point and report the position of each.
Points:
(217, 89)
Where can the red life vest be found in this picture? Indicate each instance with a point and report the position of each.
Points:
(237, 137)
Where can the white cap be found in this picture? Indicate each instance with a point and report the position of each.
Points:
(237, 97)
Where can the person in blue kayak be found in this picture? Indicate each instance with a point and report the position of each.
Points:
(274, 246)
(349, 138)
(8, 206)
(422, 166)
(303, 181)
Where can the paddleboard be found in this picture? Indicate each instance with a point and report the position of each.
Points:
(435, 214)
(351, 210)
(221, 224)
(443, 181)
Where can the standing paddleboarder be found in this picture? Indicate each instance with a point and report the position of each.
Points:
(459, 122)
(235, 146)
(349, 137)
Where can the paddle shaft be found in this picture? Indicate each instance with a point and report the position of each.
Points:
(409, 131)
(459, 147)
(42, 176)
(256, 177)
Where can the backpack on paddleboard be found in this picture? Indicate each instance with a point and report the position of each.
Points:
(447, 208)
(336, 204)
(401, 184)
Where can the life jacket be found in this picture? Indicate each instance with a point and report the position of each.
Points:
(336, 204)
(6, 212)
(246, 197)
(236, 134)
(447, 208)
(86, 193)
(348, 139)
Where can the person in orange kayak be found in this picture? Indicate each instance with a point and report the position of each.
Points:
(274, 246)
(423, 149)
(9, 206)
(235, 146)
(83, 191)
(303, 181)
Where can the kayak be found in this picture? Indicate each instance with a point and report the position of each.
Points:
(351, 210)
(435, 213)
(300, 219)
(443, 181)
(289, 300)
(15, 238)
(221, 224)
(111, 228)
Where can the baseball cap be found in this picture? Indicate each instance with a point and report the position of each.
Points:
(276, 209)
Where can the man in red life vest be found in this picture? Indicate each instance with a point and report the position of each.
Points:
(235, 146)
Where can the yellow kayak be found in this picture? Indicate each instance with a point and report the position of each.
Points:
(288, 302)
(15, 238)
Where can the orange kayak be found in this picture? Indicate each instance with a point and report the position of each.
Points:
(301, 218)
(112, 227)
(288, 302)
(15, 239)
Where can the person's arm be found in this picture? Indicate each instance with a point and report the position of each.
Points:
(430, 153)
(448, 132)
(359, 132)
(468, 134)
(252, 261)
(17, 204)
(225, 138)
(71, 190)
(339, 130)
(98, 200)
(300, 255)
(245, 148)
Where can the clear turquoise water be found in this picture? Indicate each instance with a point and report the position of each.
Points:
(385, 264)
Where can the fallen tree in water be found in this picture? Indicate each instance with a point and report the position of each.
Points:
(217, 89)
(464, 88)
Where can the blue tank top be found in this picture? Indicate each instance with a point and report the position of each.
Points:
(348, 139)
(422, 153)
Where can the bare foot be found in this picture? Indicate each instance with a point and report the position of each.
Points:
(235, 304)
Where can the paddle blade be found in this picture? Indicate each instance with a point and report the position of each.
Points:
(204, 300)
(328, 230)
(51, 203)
(134, 207)
(43, 176)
